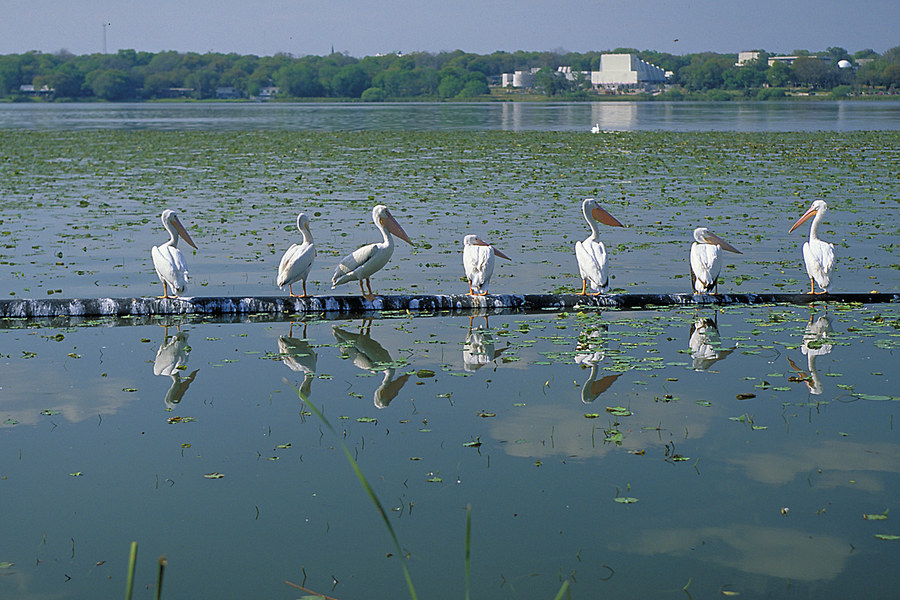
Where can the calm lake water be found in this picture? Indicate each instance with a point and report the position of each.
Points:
(506, 116)
(750, 450)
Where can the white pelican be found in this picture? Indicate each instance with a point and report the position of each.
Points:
(367, 354)
(591, 253)
(363, 262)
(478, 260)
(589, 353)
(815, 344)
(478, 349)
(171, 359)
(299, 356)
(818, 255)
(705, 264)
(168, 259)
(705, 343)
(298, 260)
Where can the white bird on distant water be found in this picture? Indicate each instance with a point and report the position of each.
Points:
(364, 262)
(297, 261)
(478, 260)
(705, 263)
(818, 255)
(168, 259)
(591, 253)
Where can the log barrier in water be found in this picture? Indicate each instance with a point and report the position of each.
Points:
(353, 305)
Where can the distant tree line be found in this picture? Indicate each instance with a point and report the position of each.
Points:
(133, 75)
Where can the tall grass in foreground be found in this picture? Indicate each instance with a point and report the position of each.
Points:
(129, 580)
(563, 590)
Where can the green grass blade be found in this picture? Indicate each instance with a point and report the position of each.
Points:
(371, 493)
(468, 546)
(129, 581)
(159, 575)
(562, 590)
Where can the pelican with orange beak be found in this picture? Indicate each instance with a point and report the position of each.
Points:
(705, 260)
(297, 261)
(478, 260)
(168, 259)
(817, 254)
(364, 262)
(591, 253)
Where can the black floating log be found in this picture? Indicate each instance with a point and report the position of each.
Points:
(352, 305)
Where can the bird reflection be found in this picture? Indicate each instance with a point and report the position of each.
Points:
(478, 349)
(369, 355)
(299, 356)
(815, 344)
(170, 361)
(589, 353)
(705, 343)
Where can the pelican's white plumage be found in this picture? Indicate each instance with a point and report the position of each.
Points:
(818, 255)
(705, 260)
(478, 261)
(168, 259)
(591, 253)
(297, 261)
(364, 262)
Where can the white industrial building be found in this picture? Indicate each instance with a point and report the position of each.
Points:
(519, 79)
(616, 71)
(746, 56)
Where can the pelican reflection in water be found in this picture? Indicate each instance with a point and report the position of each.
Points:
(815, 344)
(705, 343)
(589, 353)
(299, 356)
(478, 349)
(369, 355)
(171, 359)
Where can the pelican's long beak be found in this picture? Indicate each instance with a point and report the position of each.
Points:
(394, 227)
(481, 242)
(183, 232)
(712, 238)
(811, 212)
(604, 217)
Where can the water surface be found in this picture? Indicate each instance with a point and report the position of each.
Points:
(631, 452)
(448, 116)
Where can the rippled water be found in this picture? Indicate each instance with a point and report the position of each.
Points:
(750, 450)
(749, 444)
(505, 116)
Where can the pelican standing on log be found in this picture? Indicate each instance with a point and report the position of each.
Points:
(297, 261)
(591, 253)
(818, 255)
(705, 260)
(168, 259)
(478, 261)
(364, 262)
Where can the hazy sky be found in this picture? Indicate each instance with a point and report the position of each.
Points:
(363, 28)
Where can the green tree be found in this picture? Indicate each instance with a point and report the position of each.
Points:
(373, 94)
(814, 72)
(779, 74)
(111, 84)
(476, 85)
(66, 81)
(350, 81)
(204, 81)
(299, 80)
(704, 72)
(9, 74)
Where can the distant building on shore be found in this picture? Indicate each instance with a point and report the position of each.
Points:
(616, 71)
(626, 70)
(747, 56)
